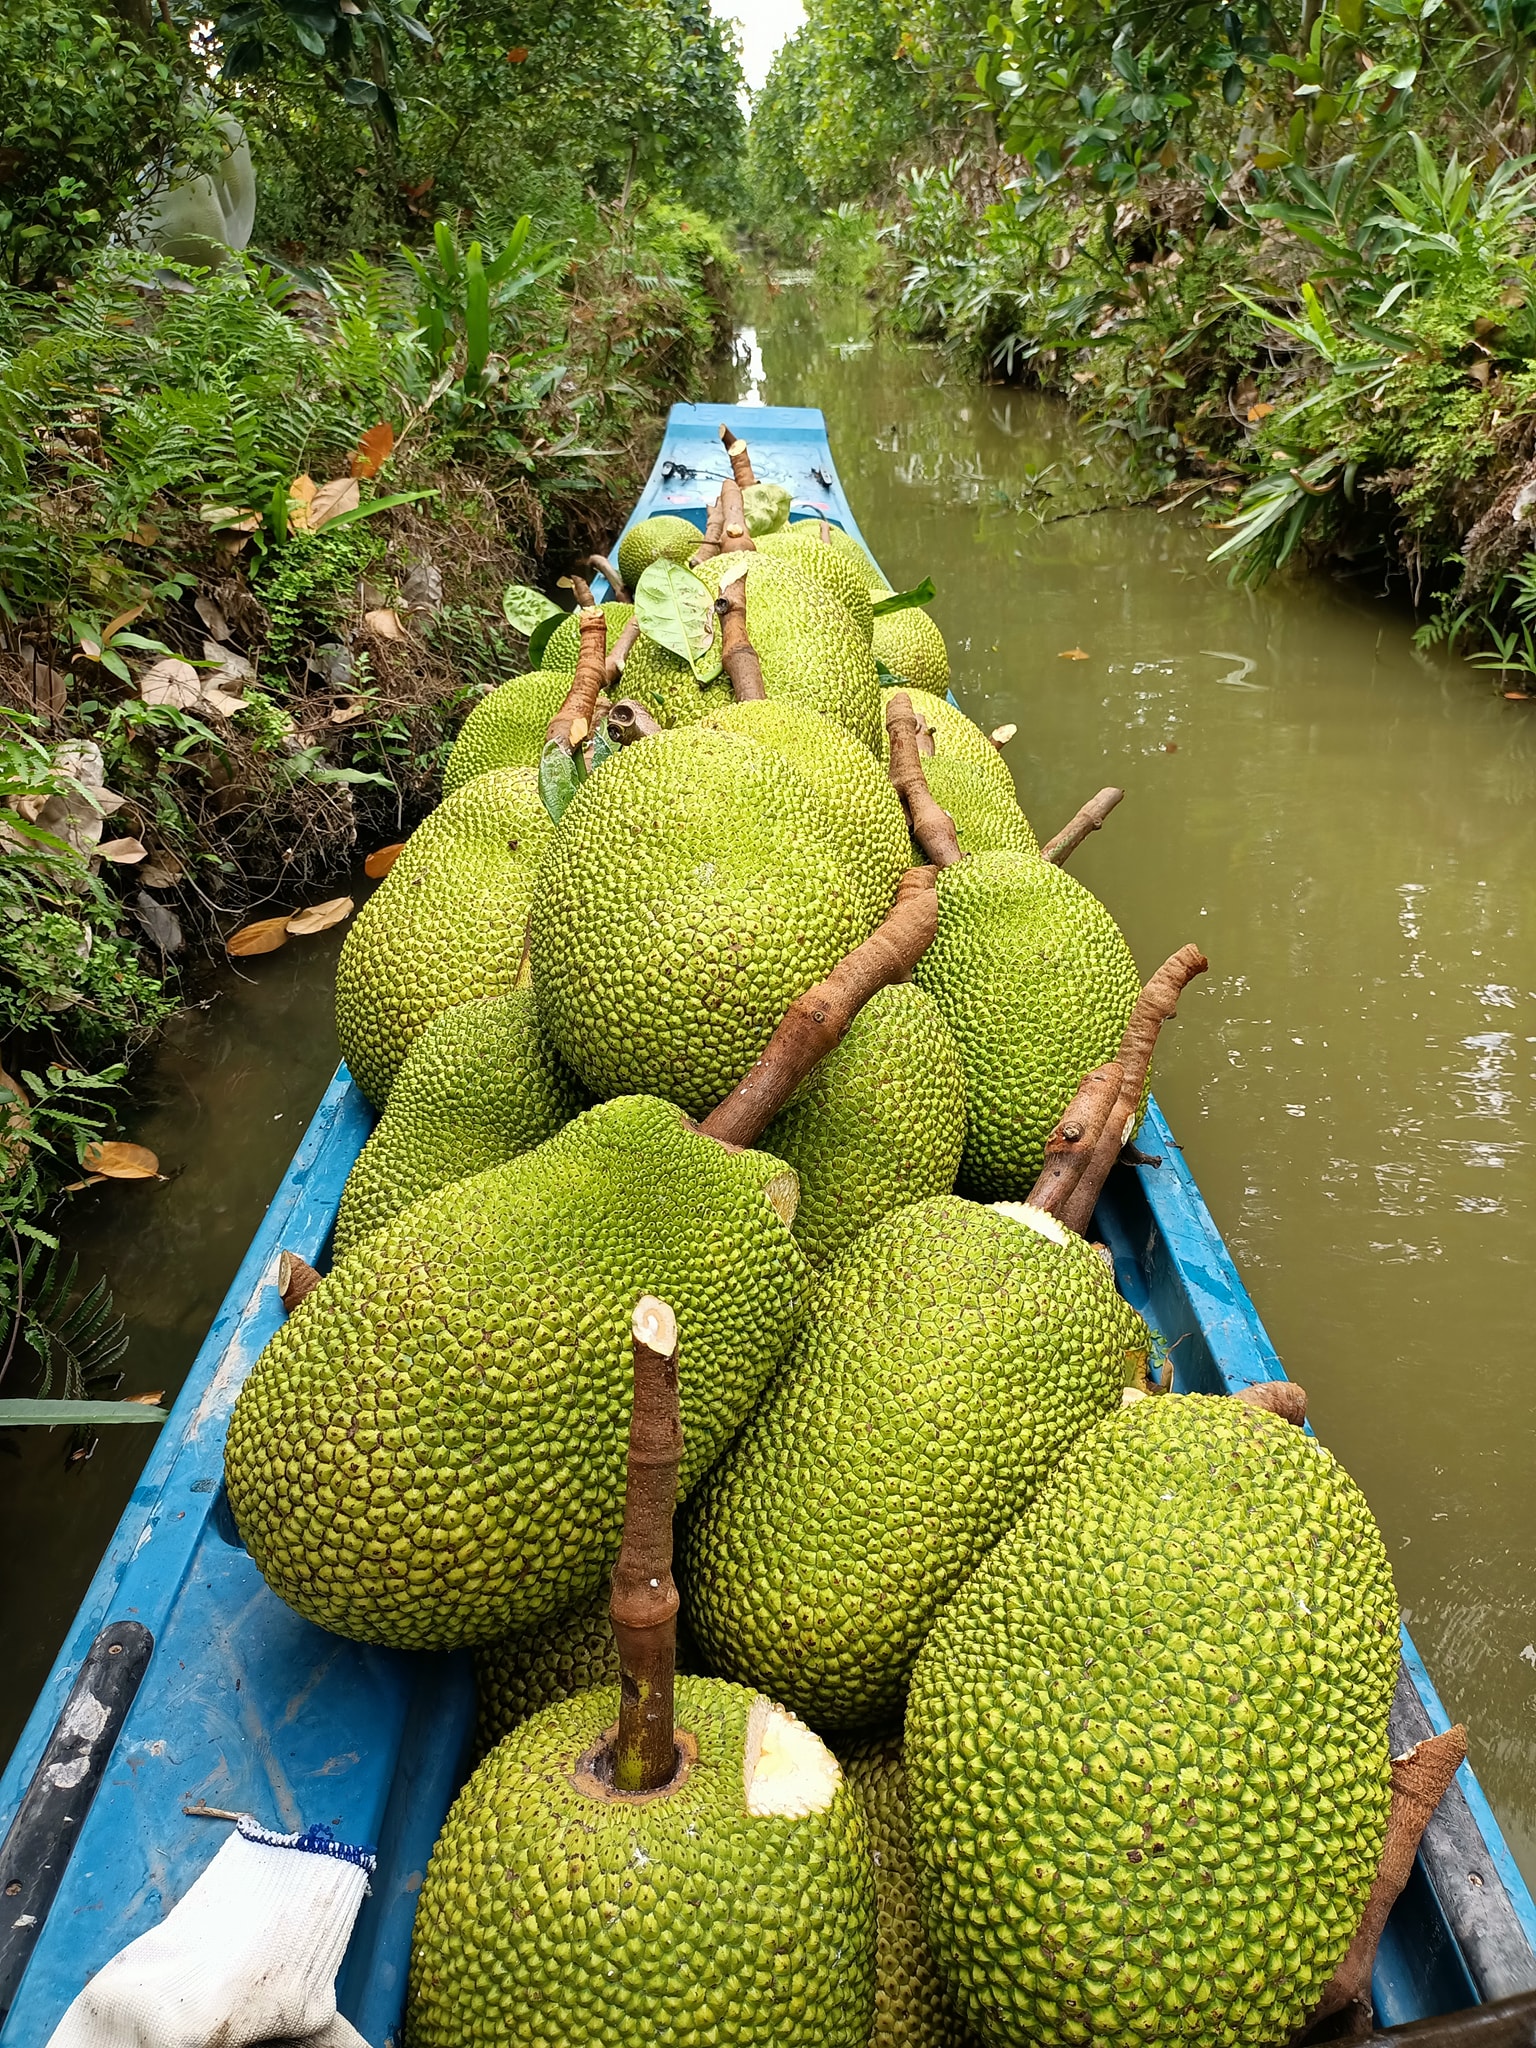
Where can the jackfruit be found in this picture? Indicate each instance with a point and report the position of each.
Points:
(943, 1364)
(1147, 1742)
(506, 728)
(912, 647)
(518, 1676)
(811, 650)
(1036, 984)
(694, 890)
(734, 1911)
(862, 811)
(955, 738)
(853, 550)
(766, 507)
(984, 821)
(664, 683)
(564, 644)
(912, 2008)
(802, 544)
(444, 927)
(878, 1124)
(431, 1450)
(662, 537)
(480, 1085)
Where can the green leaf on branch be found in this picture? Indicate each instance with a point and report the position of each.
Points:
(677, 611)
(905, 600)
(526, 608)
(21, 1414)
(541, 636)
(562, 771)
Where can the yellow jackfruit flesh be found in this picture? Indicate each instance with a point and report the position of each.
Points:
(734, 1911)
(1036, 984)
(480, 1085)
(431, 1451)
(1147, 1746)
(506, 728)
(563, 646)
(663, 537)
(943, 1364)
(445, 926)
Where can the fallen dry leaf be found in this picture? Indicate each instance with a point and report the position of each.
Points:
(301, 495)
(1261, 411)
(1002, 734)
(320, 917)
(385, 623)
(73, 1187)
(145, 1400)
(265, 936)
(353, 709)
(124, 852)
(1072, 654)
(230, 518)
(212, 616)
(116, 1161)
(115, 626)
(373, 449)
(381, 860)
(221, 701)
(164, 870)
(172, 681)
(331, 500)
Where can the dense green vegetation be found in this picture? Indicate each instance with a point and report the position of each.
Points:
(256, 520)
(1285, 252)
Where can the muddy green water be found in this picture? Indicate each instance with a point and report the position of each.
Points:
(1340, 823)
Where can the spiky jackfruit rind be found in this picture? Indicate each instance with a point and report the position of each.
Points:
(984, 821)
(1036, 983)
(662, 537)
(564, 644)
(802, 544)
(1147, 1742)
(878, 1124)
(444, 927)
(943, 1364)
(694, 890)
(912, 647)
(811, 650)
(506, 728)
(955, 737)
(480, 1085)
(559, 1920)
(517, 1676)
(431, 1450)
(845, 544)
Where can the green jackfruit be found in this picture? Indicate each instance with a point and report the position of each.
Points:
(444, 927)
(912, 2008)
(879, 1123)
(766, 507)
(518, 1676)
(811, 650)
(853, 550)
(1037, 986)
(984, 821)
(955, 738)
(431, 1450)
(862, 811)
(735, 1911)
(1147, 1743)
(802, 544)
(506, 728)
(480, 1085)
(912, 647)
(663, 537)
(665, 684)
(942, 1366)
(694, 890)
(564, 644)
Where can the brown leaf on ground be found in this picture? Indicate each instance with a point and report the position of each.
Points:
(331, 500)
(301, 495)
(114, 1160)
(124, 852)
(373, 450)
(385, 623)
(164, 870)
(172, 681)
(320, 917)
(265, 936)
(381, 860)
(1072, 654)
(353, 709)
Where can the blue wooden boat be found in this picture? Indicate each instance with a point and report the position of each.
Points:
(186, 1684)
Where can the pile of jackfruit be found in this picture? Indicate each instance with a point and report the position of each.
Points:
(1024, 1703)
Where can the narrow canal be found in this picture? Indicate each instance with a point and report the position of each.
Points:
(1338, 821)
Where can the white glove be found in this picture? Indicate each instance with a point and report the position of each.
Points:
(249, 1955)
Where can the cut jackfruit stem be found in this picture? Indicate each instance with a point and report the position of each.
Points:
(1071, 836)
(714, 527)
(1158, 1001)
(738, 657)
(623, 647)
(1420, 1780)
(816, 1021)
(1071, 1145)
(587, 683)
(629, 721)
(1277, 1397)
(580, 589)
(296, 1280)
(932, 827)
(741, 461)
(734, 537)
(604, 567)
(643, 1603)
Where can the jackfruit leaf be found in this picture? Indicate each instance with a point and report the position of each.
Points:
(123, 852)
(373, 450)
(265, 936)
(541, 636)
(904, 600)
(67, 1414)
(560, 776)
(174, 682)
(526, 608)
(381, 860)
(331, 500)
(889, 679)
(114, 1160)
(385, 623)
(320, 917)
(677, 611)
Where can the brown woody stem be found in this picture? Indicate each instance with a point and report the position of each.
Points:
(643, 1603)
(1500, 2023)
(1089, 819)
(1158, 1001)
(741, 461)
(734, 537)
(738, 657)
(1071, 1145)
(604, 567)
(1420, 1781)
(932, 827)
(1276, 1397)
(629, 721)
(623, 647)
(587, 684)
(296, 1280)
(824, 532)
(581, 589)
(815, 1022)
(714, 527)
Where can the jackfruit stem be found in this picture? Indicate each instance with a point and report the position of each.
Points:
(1158, 1001)
(714, 527)
(629, 721)
(932, 827)
(1071, 1145)
(296, 1280)
(1420, 1780)
(1071, 836)
(587, 683)
(815, 1022)
(1277, 1397)
(734, 537)
(741, 461)
(643, 1602)
(604, 567)
(581, 589)
(738, 657)
(623, 648)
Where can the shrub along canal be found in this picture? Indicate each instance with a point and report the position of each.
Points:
(1332, 817)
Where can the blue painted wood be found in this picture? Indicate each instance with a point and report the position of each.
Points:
(246, 1707)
